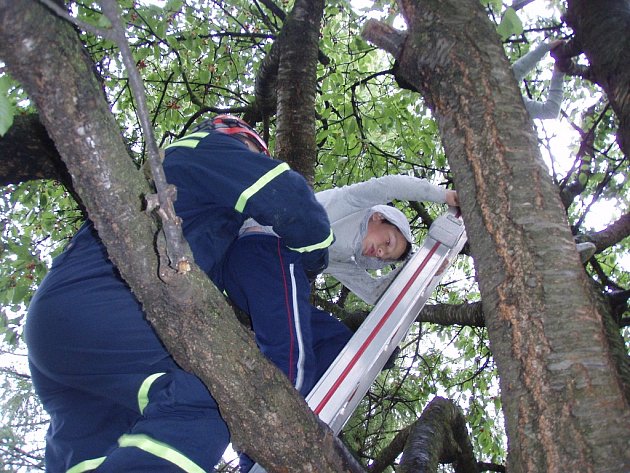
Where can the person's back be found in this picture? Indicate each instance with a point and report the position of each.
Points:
(117, 400)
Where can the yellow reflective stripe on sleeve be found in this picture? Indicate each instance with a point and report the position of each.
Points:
(189, 141)
(317, 246)
(143, 392)
(259, 184)
(87, 465)
(161, 450)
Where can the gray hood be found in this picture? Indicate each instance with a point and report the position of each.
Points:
(393, 215)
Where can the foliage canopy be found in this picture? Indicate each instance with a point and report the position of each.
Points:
(201, 57)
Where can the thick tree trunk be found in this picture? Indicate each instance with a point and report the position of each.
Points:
(296, 86)
(190, 315)
(602, 32)
(563, 400)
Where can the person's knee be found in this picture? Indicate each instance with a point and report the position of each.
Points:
(178, 391)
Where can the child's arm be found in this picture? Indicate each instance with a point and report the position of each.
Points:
(342, 201)
(549, 108)
(525, 64)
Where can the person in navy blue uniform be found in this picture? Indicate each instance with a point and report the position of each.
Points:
(117, 400)
(268, 281)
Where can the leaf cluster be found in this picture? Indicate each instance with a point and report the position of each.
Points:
(201, 57)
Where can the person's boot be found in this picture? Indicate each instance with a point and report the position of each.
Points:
(586, 250)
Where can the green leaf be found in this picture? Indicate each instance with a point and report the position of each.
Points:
(20, 292)
(583, 178)
(510, 24)
(204, 75)
(7, 110)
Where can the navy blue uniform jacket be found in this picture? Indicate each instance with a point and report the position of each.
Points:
(219, 184)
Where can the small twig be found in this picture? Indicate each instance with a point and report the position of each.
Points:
(166, 194)
(60, 12)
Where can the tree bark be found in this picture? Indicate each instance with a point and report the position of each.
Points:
(296, 87)
(388, 456)
(563, 399)
(191, 317)
(439, 436)
(611, 235)
(602, 32)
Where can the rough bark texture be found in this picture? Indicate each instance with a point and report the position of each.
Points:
(190, 315)
(602, 32)
(563, 399)
(611, 235)
(469, 314)
(296, 86)
(439, 436)
(466, 315)
(388, 456)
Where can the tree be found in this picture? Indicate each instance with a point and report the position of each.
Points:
(362, 131)
(172, 297)
(493, 152)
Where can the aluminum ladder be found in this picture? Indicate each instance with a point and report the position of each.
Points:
(339, 391)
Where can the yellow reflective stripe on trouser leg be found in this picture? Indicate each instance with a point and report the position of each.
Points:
(87, 465)
(161, 450)
(189, 141)
(259, 184)
(143, 392)
(317, 246)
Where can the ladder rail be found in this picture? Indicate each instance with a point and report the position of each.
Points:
(347, 380)
(340, 390)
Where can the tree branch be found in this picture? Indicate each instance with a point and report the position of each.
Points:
(176, 247)
(296, 85)
(389, 454)
(28, 153)
(439, 436)
(384, 36)
(46, 56)
(614, 233)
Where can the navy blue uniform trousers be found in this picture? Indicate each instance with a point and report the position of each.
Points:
(117, 400)
(267, 281)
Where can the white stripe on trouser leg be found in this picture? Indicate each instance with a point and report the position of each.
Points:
(299, 379)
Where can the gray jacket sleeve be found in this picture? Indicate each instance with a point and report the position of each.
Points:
(547, 109)
(525, 64)
(550, 108)
(342, 201)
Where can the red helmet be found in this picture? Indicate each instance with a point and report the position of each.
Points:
(231, 125)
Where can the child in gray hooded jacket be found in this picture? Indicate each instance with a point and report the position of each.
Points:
(369, 234)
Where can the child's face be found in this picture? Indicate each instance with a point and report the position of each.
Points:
(383, 240)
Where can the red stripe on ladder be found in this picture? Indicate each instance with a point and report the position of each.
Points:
(377, 329)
